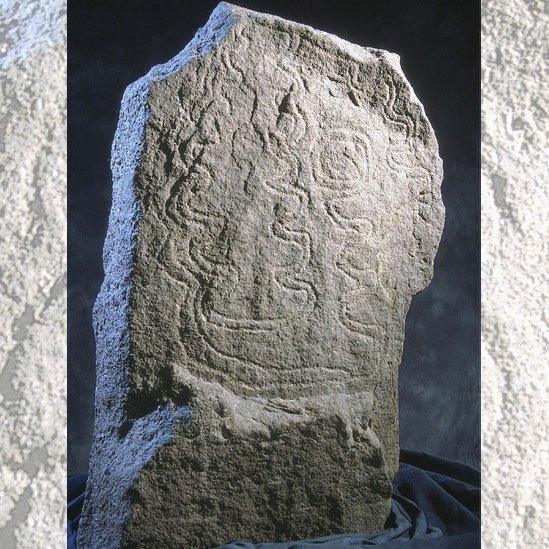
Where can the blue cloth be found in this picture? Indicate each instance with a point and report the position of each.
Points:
(436, 505)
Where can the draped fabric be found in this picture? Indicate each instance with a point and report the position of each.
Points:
(436, 505)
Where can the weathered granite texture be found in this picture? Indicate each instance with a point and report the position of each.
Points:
(32, 274)
(515, 285)
(276, 205)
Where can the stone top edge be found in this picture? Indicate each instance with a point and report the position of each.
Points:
(222, 20)
(226, 15)
(355, 51)
(361, 53)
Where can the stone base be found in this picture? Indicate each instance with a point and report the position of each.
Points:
(291, 481)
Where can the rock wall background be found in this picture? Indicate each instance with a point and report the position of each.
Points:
(32, 273)
(438, 44)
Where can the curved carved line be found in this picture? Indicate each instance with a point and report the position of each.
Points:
(202, 322)
(289, 277)
(362, 328)
(242, 324)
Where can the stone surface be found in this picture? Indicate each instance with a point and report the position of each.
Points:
(515, 288)
(32, 274)
(276, 205)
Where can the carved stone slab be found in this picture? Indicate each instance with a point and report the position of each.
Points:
(276, 205)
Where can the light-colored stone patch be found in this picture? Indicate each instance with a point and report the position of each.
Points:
(32, 274)
(515, 261)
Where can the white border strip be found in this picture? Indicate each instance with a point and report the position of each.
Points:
(32, 273)
(514, 274)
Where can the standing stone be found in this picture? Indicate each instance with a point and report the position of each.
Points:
(276, 205)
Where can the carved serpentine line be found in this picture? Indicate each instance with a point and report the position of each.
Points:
(282, 189)
(202, 322)
(289, 277)
(349, 224)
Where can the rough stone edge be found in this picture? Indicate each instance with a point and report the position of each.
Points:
(515, 227)
(105, 528)
(33, 273)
